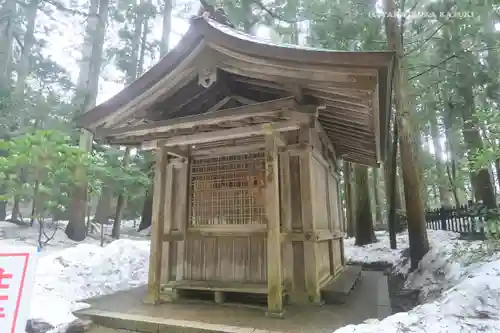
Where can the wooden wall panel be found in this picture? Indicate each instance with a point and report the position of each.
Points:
(299, 278)
(175, 218)
(335, 218)
(169, 254)
(321, 200)
(337, 256)
(224, 258)
(323, 260)
(295, 174)
(178, 201)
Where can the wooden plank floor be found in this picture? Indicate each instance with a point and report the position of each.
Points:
(127, 311)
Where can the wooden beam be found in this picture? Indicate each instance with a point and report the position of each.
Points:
(244, 100)
(202, 119)
(336, 99)
(274, 258)
(174, 151)
(352, 123)
(369, 162)
(233, 133)
(282, 76)
(219, 104)
(343, 91)
(344, 131)
(149, 145)
(227, 150)
(324, 137)
(155, 255)
(240, 99)
(257, 82)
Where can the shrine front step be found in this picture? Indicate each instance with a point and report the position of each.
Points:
(337, 291)
(117, 322)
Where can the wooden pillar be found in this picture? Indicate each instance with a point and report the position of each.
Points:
(184, 192)
(166, 261)
(286, 220)
(307, 194)
(155, 256)
(274, 264)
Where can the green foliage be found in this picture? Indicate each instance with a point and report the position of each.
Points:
(40, 166)
(43, 166)
(484, 157)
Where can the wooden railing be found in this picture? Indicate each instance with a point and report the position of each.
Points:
(469, 219)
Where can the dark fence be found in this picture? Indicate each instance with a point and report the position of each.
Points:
(467, 219)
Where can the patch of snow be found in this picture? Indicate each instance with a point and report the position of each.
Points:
(68, 272)
(68, 276)
(460, 283)
(381, 252)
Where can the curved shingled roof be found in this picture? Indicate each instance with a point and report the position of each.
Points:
(353, 87)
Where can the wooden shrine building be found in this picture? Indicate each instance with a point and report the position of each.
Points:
(248, 135)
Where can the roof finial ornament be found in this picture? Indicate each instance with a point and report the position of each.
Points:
(217, 14)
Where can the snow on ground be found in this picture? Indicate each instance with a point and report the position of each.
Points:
(460, 280)
(68, 272)
(65, 277)
(381, 252)
(460, 283)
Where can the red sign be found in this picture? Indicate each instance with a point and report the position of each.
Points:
(16, 272)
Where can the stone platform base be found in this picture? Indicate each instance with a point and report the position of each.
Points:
(125, 310)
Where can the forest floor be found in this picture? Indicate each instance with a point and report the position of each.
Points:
(459, 280)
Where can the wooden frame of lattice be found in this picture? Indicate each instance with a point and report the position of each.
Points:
(228, 190)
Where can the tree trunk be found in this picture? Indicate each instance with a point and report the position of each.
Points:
(86, 95)
(120, 203)
(23, 70)
(349, 204)
(167, 27)
(444, 198)
(364, 219)
(481, 180)
(147, 210)
(7, 18)
(493, 60)
(376, 197)
(102, 212)
(415, 213)
(388, 171)
(452, 146)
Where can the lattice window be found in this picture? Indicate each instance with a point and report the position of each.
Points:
(228, 190)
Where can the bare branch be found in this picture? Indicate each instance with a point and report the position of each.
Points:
(455, 55)
(424, 41)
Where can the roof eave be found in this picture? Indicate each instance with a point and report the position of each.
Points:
(94, 117)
